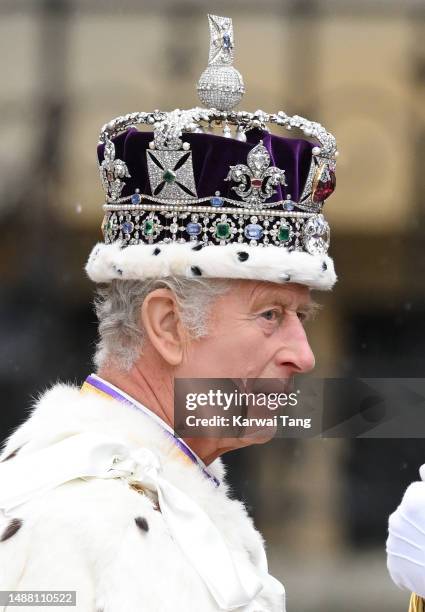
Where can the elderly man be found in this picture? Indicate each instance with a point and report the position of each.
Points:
(212, 245)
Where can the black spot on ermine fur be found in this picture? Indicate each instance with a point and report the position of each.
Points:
(13, 454)
(142, 523)
(324, 266)
(156, 251)
(14, 526)
(198, 247)
(242, 255)
(196, 271)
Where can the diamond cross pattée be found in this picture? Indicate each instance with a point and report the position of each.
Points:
(171, 174)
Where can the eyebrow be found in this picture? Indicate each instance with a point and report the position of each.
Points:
(308, 309)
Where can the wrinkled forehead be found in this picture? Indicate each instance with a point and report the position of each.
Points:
(254, 293)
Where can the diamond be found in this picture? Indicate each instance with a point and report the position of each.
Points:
(136, 198)
(260, 159)
(193, 229)
(222, 230)
(216, 201)
(253, 231)
(316, 235)
(148, 227)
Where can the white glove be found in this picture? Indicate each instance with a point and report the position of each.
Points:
(406, 540)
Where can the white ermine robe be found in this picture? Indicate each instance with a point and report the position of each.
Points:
(108, 541)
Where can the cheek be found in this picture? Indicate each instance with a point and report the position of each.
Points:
(240, 353)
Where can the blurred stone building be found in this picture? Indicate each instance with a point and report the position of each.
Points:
(358, 67)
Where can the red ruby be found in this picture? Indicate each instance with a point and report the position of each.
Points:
(256, 182)
(325, 188)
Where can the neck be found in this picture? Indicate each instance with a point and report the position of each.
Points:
(151, 391)
(154, 389)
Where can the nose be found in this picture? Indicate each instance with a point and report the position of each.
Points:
(296, 353)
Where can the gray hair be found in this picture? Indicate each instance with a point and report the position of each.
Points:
(118, 308)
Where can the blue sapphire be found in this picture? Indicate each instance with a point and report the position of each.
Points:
(136, 198)
(193, 229)
(288, 205)
(253, 231)
(216, 201)
(127, 227)
(227, 41)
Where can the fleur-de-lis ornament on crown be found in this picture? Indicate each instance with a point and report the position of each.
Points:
(112, 171)
(258, 179)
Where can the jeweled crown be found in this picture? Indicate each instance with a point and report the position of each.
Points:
(183, 183)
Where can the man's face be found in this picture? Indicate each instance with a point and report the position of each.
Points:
(255, 331)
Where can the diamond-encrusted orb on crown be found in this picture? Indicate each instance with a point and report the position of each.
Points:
(221, 85)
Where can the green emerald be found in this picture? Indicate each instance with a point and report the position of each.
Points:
(148, 227)
(169, 176)
(106, 225)
(222, 230)
(283, 233)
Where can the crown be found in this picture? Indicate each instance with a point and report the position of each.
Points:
(246, 194)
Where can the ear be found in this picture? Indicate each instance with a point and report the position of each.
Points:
(163, 326)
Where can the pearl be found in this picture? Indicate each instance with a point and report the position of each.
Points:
(316, 150)
(151, 144)
(227, 133)
(186, 146)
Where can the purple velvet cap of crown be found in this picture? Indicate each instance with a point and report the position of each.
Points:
(212, 157)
